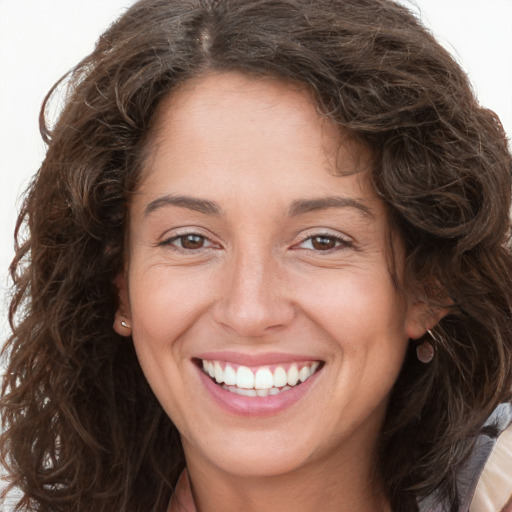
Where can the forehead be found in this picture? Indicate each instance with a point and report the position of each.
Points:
(249, 109)
(224, 132)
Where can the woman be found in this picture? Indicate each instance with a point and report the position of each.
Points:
(295, 215)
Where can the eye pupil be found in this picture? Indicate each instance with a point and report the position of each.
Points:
(192, 241)
(323, 243)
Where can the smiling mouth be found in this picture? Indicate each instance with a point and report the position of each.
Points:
(259, 381)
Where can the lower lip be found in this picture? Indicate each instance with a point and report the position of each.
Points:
(256, 406)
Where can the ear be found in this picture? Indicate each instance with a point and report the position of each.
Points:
(422, 317)
(122, 320)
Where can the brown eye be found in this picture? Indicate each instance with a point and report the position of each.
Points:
(188, 242)
(323, 243)
(191, 241)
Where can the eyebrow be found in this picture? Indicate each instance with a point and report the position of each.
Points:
(192, 203)
(302, 206)
(298, 207)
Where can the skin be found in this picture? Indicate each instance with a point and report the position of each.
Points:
(257, 279)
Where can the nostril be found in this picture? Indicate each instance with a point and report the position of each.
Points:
(251, 308)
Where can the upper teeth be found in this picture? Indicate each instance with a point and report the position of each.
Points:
(260, 378)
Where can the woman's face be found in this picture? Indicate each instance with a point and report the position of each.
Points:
(250, 258)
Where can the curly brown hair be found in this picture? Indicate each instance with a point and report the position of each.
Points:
(83, 431)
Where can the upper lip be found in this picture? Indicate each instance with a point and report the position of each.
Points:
(256, 359)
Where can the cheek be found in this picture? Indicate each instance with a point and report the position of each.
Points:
(355, 303)
(364, 318)
(165, 302)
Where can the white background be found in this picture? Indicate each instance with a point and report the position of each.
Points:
(42, 39)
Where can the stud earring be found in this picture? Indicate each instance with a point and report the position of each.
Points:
(425, 352)
(125, 325)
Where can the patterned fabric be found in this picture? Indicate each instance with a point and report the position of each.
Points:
(473, 471)
(494, 489)
(484, 490)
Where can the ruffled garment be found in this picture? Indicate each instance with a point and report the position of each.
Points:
(494, 489)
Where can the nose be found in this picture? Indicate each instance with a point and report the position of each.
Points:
(254, 297)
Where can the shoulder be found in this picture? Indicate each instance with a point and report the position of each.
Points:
(485, 483)
(494, 488)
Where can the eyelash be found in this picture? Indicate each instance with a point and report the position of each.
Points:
(340, 242)
(170, 242)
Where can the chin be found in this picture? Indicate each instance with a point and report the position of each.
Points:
(263, 454)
